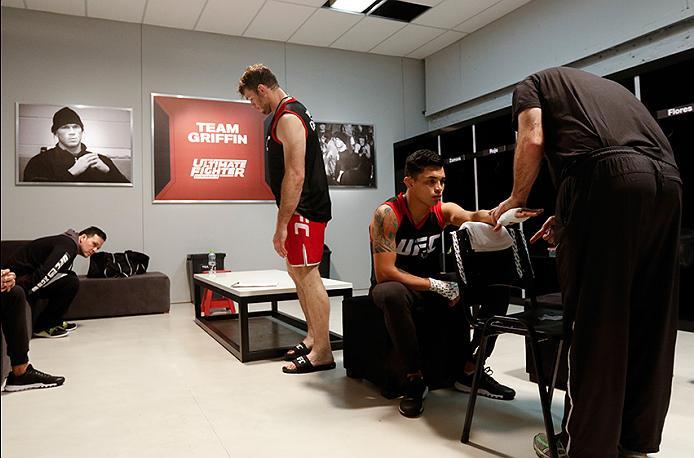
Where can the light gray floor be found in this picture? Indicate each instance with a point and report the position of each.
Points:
(159, 386)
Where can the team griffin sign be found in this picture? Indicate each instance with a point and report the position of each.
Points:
(207, 150)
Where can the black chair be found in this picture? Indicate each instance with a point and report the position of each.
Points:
(511, 268)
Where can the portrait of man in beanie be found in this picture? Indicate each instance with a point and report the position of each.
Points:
(69, 160)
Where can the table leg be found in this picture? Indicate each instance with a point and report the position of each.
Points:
(274, 308)
(244, 345)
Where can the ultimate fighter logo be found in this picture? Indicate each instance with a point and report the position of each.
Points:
(213, 169)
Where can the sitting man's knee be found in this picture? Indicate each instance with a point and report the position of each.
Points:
(15, 295)
(69, 282)
(388, 293)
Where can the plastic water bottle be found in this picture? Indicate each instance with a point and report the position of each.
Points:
(212, 263)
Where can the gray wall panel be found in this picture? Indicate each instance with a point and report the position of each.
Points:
(55, 59)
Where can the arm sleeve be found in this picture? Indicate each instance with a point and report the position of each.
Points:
(526, 95)
(39, 169)
(61, 256)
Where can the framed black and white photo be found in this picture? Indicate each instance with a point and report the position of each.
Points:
(348, 153)
(73, 145)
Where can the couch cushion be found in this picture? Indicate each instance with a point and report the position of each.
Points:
(108, 297)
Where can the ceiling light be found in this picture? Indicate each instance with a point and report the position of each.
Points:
(354, 6)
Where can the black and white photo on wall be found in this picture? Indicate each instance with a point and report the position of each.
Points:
(348, 153)
(73, 145)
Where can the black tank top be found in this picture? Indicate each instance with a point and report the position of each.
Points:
(419, 245)
(314, 203)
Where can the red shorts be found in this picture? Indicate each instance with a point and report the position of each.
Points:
(304, 241)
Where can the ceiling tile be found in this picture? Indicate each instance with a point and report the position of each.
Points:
(278, 21)
(180, 15)
(12, 3)
(450, 13)
(117, 10)
(406, 40)
(229, 17)
(489, 15)
(425, 2)
(316, 3)
(324, 27)
(71, 7)
(436, 44)
(368, 33)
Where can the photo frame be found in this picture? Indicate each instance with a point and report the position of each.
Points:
(207, 150)
(349, 153)
(73, 145)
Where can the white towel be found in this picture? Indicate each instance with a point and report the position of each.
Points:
(483, 238)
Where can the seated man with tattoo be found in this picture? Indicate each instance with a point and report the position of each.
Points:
(406, 247)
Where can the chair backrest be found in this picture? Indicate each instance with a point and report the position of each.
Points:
(508, 267)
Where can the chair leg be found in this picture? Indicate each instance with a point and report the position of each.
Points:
(544, 398)
(555, 371)
(465, 438)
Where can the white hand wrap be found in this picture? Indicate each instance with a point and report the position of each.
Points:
(448, 289)
(509, 217)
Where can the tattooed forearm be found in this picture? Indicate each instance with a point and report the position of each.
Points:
(384, 228)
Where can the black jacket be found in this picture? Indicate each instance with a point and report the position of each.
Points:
(38, 262)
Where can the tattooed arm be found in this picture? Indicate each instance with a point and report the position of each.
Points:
(383, 249)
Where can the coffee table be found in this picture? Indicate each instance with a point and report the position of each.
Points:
(263, 334)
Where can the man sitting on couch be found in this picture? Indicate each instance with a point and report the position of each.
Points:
(43, 271)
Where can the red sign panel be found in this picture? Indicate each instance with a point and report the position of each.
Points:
(207, 150)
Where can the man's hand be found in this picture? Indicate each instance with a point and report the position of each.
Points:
(546, 232)
(279, 239)
(8, 280)
(100, 165)
(500, 209)
(447, 289)
(87, 161)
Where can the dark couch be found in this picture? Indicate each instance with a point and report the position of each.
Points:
(105, 297)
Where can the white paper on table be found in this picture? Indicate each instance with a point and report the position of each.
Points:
(246, 284)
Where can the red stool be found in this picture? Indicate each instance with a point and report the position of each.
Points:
(210, 302)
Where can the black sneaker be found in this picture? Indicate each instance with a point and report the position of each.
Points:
(52, 333)
(32, 379)
(488, 386)
(69, 327)
(412, 402)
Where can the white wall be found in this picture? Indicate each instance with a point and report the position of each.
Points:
(57, 59)
(541, 34)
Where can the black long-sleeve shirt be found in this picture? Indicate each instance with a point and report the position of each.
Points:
(39, 261)
(52, 166)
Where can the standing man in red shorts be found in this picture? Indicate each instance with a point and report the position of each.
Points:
(296, 174)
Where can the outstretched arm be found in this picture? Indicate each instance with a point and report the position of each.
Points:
(456, 215)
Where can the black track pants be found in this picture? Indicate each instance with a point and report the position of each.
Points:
(59, 295)
(398, 303)
(14, 325)
(619, 222)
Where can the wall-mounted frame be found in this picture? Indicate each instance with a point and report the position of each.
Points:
(207, 150)
(73, 145)
(349, 153)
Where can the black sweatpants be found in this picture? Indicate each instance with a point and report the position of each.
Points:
(14, 325)
(58, 296)
(398, 302)
(619, 225)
